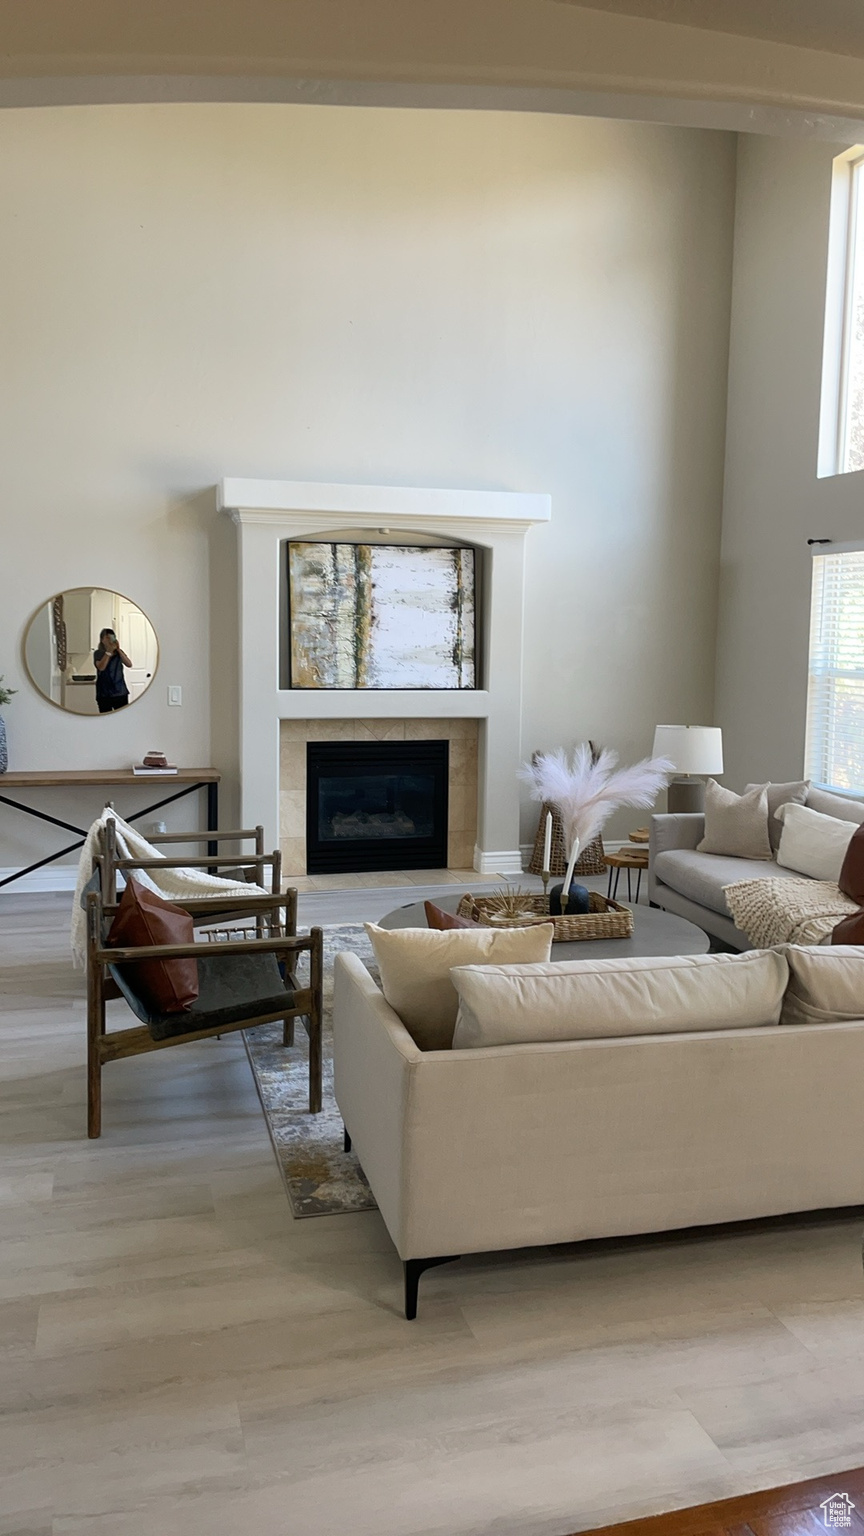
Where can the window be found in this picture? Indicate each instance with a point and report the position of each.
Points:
(835, 698)
(841, 427)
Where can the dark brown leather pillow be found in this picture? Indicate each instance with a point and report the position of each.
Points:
(437, 918)
(143, 918)
(850, 930)
(851, 880)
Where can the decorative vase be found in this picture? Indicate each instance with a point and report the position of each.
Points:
(4, 751)
(579, 899)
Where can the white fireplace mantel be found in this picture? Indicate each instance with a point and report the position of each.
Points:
(269, 512)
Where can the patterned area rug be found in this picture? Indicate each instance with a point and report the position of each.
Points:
(321, 1179)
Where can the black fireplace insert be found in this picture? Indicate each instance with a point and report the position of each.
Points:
(376, 805)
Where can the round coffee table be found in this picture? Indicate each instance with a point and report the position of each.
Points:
(654, 933)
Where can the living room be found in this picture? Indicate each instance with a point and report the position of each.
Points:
(546, 283)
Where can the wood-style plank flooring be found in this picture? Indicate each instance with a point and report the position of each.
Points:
(820, 1504)
(181, 1358)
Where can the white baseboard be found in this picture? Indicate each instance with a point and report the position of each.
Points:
(54, 877)
(506, 862)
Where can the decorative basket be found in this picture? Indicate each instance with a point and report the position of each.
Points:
(589, 862)
(606, 920)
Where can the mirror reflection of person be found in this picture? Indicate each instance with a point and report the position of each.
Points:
(111, 690)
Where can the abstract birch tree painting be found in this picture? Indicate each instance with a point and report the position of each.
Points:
(381, 616)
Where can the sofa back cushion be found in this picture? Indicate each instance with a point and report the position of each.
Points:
(826, 983)
(780, 794)
(736, 824)
(812, 843)
(586, 999)
(415, 964)
(827, 804)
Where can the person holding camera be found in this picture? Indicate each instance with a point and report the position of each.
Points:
(111, 690)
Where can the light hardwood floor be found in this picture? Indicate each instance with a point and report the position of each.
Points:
(181, 1358)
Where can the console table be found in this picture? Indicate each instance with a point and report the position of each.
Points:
(191, 779)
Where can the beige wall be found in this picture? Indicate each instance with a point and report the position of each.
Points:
(478, 300)
(773, 500)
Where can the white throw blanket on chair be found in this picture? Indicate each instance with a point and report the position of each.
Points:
(173, 884)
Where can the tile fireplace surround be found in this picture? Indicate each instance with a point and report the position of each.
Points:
(483, 724)
(462, 817)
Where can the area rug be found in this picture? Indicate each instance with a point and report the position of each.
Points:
(320, 1177)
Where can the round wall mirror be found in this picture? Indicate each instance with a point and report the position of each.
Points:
(90, 651)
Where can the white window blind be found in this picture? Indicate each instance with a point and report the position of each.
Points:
(835, 696)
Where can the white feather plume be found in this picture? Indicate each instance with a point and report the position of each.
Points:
(587, 789)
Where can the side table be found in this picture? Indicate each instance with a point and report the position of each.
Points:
(629, 859)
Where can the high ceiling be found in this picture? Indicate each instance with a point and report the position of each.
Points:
(757, 65)
(831, 26)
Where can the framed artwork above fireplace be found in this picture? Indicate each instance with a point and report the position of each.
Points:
(381, 616)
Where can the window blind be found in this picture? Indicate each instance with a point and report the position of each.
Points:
(835, 696)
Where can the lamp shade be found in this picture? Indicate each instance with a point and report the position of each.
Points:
(692, 748)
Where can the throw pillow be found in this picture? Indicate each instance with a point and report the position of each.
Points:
(415, 965)
(851, 879)
(736, 825)
(143, 918)
(589, 999)
(835, 805)
(813, 844)
(850, 930)
(436, 917)
(826, 984)
(780, 794)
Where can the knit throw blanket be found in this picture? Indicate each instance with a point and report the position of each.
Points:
(173, 884)
(786, 911)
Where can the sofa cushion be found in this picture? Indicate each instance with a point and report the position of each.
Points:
(587, 999)
(826, 984)
(736, 825)
(851, 879)
(835, 805)
(701, 876)
(780, 794)
(812, 843)
(415, 964)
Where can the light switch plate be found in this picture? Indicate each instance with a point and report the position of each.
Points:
(175, 693)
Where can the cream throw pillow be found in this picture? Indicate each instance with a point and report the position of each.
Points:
(826, 985)
(813, 844)
(587, 999)
(736, 825)
(415, 965)
(780, 794)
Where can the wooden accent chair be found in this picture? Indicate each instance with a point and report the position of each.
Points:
(243, 982)
(235, 866)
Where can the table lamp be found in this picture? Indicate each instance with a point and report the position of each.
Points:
(694, 749)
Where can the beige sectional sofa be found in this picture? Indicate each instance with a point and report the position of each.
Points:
(690, 883)
(630, 1122)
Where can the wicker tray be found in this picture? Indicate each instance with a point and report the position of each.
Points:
(606, 920)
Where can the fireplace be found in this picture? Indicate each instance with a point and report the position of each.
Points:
(373, 805)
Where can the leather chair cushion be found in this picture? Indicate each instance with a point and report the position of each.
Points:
(143, 918)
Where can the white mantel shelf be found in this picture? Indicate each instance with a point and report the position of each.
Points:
(267, 512)
(266, 501)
